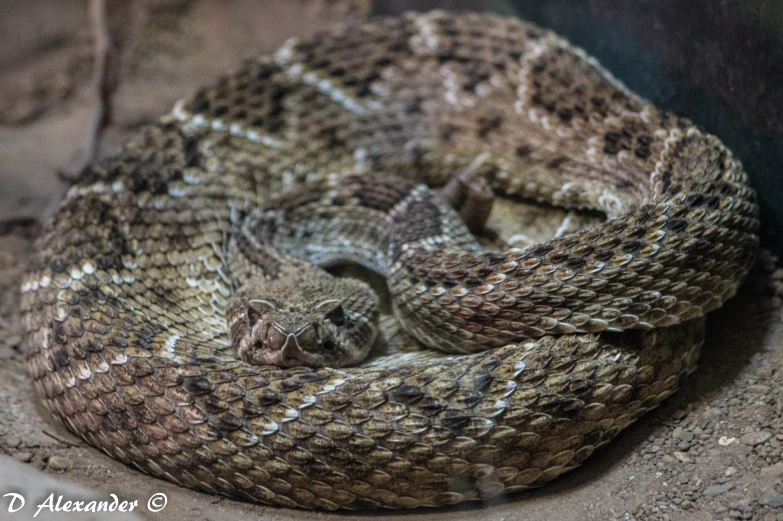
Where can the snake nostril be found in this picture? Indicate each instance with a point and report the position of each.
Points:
(275, 339)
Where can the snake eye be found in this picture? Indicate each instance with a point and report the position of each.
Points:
(257, 308)
(336, 315)
(334, 311)
(252, 316)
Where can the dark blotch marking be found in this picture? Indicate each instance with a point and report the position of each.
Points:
(200, 103)
(405, 394)
(724, 187)
(321, 63)
(265, 71)
(358, 468)
(666, 178)
(482, 381)
(445, 55)
(228, 422)
(138, 185)
(448, 131)
(213, 405)
(555, 163)
(523, 151)
(119, 341)
(599, 105)
(157, 186)
(557, 257)
(430, 406)
(421, 220)
(642, 152)
(474, 77)
(58, 266)
(488, 124)
(566, 408)
(269, 397)
(712, 201)
(471, 401)
(632, 246)
(311, 377)
(362, 91)
(279, 92)
(61, 357)
(677, 225)
(540, 251)
(495, 258)
(291, 385)
(414, 107)
(637, 232)
(603, 254)
(565, 114)
(455, 421)
(399, 45)
(197, 385)
(694, 200)
(612, 143)
(330, 137)
(191, 151)
(113, 172)
(274, 125)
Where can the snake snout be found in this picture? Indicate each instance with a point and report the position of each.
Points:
(285, 345)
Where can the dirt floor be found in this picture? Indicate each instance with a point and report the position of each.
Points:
(80, 77)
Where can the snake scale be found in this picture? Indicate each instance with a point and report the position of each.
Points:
(125, 304)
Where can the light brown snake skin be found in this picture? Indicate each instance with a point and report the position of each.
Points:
(124, 308)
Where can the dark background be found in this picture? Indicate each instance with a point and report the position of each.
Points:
(718, 62)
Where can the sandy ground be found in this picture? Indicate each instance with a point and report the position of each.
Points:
(713, 451)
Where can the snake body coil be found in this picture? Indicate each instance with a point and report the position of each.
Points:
(124, 308)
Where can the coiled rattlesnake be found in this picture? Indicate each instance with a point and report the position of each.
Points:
(125, 306)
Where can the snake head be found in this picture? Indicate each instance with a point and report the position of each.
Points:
(289, 335)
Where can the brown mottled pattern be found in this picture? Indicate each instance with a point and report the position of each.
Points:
(124, 308)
